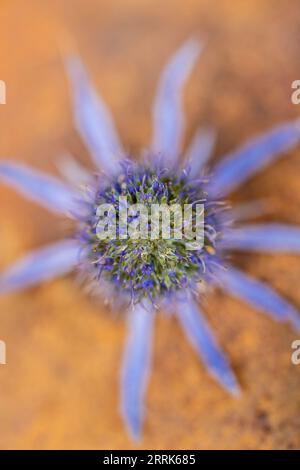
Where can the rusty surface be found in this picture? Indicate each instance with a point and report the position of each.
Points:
(59, 388)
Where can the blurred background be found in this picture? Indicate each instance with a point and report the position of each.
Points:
(59, 389)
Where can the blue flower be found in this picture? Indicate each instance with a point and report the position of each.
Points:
(168, 273)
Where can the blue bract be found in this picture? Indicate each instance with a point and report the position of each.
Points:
(144, 272)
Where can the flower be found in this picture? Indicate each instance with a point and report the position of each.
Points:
(134, 248)
(145, 273)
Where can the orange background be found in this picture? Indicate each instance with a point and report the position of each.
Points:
(59, 388)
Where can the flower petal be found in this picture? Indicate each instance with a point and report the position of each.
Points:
(39, 187)
(136, 368)
(168, 118)
(240, 165)
(200, 150)
(250, 210)
(263, 237)
(202, 339)
(73, 172)
(258, 295)
(41, 265)
(93, 119)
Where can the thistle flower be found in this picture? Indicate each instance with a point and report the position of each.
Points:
(149, 274)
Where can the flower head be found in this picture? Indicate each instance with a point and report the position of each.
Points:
(150, 265)
(148, 270)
